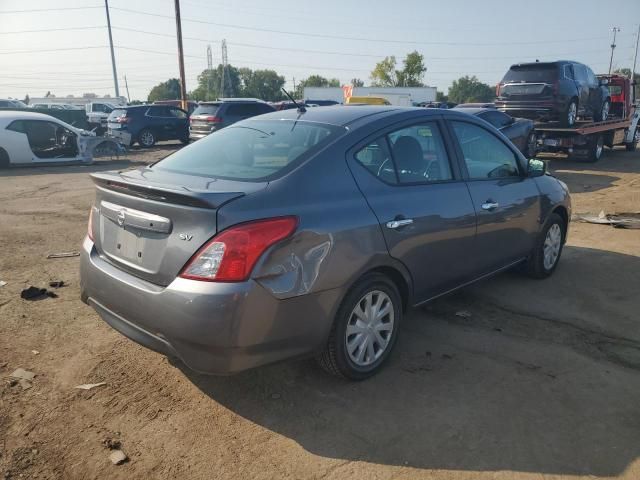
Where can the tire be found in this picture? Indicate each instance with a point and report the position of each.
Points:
(570, 114)
(631, 147)
(531, 145)
(146, 138)
(377, 289)
(595, 148)
(538, 264)
(4, 159)
(602, 114)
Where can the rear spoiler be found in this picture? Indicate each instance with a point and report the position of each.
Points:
(163, 193)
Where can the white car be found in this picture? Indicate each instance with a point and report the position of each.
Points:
(28, 138)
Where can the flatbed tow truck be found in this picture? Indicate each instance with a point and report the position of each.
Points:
(586, 140)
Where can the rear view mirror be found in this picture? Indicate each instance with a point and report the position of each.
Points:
(536, 168)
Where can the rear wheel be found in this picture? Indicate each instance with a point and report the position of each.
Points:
(146, 138)
(631, 147)
(365, 329)
(4, 159)
(570, 114)
(546, 254)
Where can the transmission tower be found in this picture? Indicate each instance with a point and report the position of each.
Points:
(226, 89)
(209, 71)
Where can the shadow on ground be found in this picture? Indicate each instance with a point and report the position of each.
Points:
(537, 379)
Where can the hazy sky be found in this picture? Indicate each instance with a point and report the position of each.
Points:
(456, 37)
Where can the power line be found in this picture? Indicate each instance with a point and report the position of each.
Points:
(57, 9)
(341, 37)
(52, 30)
(16, 52)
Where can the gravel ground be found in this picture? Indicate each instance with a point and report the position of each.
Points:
(541, 381)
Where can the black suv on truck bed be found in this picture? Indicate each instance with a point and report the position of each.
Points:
(211, 116)
(562, 90)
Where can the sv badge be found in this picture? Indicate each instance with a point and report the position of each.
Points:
(185, 236)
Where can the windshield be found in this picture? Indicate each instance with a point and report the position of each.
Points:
(532, 73)
(251, 151)
(206, 109)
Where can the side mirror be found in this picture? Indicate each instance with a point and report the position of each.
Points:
(536, 168)
(603, 82)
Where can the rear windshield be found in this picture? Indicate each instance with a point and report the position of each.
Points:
(532, 73)
(206, 110)
(252, 150)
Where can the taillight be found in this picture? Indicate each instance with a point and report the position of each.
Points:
(90, 224)
(498, 90)
(213, 119)
(231, 255)
(123, 119)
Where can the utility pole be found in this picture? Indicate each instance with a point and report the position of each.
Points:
(615, 30)
(294, 85)
(225, 79)
(633, 70)
(183, 86)
(209, 71)
(113, 56)
(127, 87)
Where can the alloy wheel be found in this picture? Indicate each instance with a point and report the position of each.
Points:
(572, 113)
(146, 138)
(551, 246)
(370, 327)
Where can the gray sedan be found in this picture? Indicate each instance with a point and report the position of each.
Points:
(298, 234)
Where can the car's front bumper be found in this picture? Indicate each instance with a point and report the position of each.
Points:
(217, 328)
(532, 110)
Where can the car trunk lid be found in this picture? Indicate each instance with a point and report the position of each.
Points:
(150, 222)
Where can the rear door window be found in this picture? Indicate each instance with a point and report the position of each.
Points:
(176, 112)
(580, 73)
(485, 155)
(158, 112)
(251, 151)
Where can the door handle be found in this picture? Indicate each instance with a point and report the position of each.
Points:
(393, 224)
(490, 205)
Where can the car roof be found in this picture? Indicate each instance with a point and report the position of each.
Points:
(339, 115)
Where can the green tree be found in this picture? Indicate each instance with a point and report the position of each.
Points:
(169, 90)
(356, 82)
(209, 82)
(441, 97)
(469, 89)
(263, 84)
(386, 74)
(315, 81)
(413, 72)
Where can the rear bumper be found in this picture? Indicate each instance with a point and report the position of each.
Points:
(216, 328)
(200, 133)
(534, 111)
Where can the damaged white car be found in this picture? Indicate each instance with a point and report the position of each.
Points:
(29, 138)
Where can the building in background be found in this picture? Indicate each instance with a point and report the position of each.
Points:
(403, 96)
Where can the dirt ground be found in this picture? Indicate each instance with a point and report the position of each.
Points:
(542, 381)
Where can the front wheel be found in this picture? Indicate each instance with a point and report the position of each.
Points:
(545, 256)
(365, 329)
(4, 159)
(631, 147)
